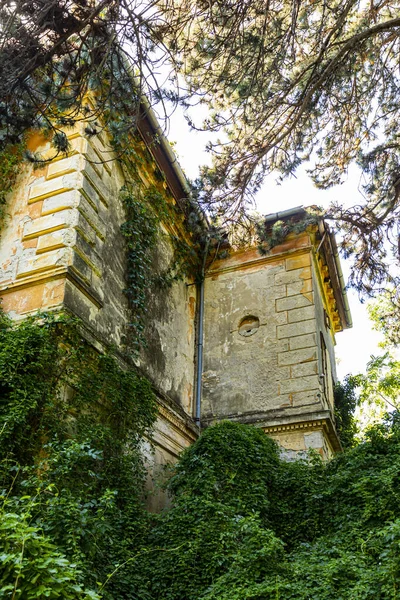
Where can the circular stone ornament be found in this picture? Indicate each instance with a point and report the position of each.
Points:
(249, 325)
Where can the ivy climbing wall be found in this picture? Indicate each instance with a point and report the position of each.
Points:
(64, 247)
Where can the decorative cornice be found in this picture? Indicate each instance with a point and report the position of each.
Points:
(259, 261)
(328, 293)
(305, 426)
(177, 422)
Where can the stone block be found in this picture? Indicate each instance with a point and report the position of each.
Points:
(293, 357)
(282, 345)
(300, 287)
(303, 400)
(32, 243)
(292, 276)
(27, 265)
(304, 369)
(35, 210)
(278, 318)
(54, 240)
(291, 302)
(100, 159)
(277, 291)
(299, 384)
(301, 314)
(97, 146)
(80, 266)
(88, 254)
(290, 441)
(64, 166)
(61, 201)
(48, 223)
(282, 373)
(98, 286)
(42, 295)
(296, 262)
(88, 191)
(97, 183)
(296, 329)
(314, 439)
(86, 230)
(77, 146)
(302, 341)
(93, 218)
(40, 191)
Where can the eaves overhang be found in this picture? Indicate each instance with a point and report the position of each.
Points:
(158, 145)
(332, 258)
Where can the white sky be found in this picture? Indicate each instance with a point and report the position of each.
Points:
(354, 346)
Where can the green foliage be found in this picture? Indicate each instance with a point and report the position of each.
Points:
(271, 235)
(243, 522)
(246, 524)
(346, 401)
(32, 567)
(72, 428)
(221, 494)
(140, 231)
(10, 159)
(384, 314)
(155, 259)
(380, 385)
(283, 83)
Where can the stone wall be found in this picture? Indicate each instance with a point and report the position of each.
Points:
(270, 376)
(270, 321)
(61, 248)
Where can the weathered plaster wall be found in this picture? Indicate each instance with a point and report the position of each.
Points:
(276, 368)
(298, 442)
(168, 356)
(271, 377)
(62, 247)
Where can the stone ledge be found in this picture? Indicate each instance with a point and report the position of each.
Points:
(260, 260)
(278, 421)
(74, 277)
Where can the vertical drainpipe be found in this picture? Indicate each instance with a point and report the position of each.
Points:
(199, 371)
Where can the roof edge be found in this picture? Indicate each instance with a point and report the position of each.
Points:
(157, 143)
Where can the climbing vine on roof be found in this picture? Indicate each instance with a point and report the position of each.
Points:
(271, 234)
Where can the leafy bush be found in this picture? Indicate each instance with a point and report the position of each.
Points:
(245, 524)
(72, 424)
(32, 567)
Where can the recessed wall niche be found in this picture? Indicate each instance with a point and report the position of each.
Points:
(248, 325)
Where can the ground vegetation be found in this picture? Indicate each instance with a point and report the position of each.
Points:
(243, 522)
(72, 427)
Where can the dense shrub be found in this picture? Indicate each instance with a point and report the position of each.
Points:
(245, 524)
(72, 423)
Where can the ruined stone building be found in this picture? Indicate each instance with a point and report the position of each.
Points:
(269, 321)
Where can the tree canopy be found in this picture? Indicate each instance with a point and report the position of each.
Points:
(285, 83)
